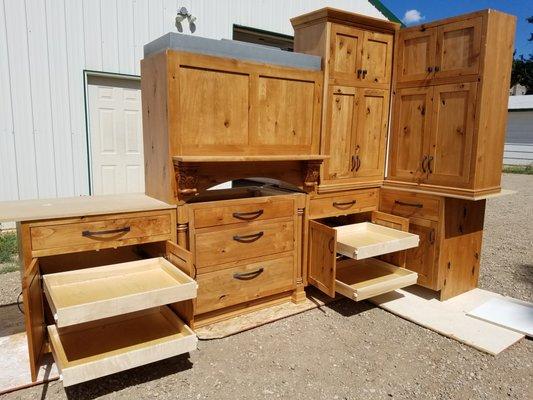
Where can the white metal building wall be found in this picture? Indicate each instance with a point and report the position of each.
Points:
(519, 139)
(45, 45)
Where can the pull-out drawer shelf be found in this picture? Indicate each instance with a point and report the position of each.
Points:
(94, 293)
(361, 276)
(365, 239)
(93, 350)
(360, 280)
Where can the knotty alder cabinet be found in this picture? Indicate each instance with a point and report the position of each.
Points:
(450, 105)
(357, 57)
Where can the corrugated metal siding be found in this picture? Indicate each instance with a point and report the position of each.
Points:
(519, 139)
(46, 44)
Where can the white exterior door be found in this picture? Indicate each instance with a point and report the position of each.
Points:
(115, 133)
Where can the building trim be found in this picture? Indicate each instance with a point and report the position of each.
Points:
(385, 11)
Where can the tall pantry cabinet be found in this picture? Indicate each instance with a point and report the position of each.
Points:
(357, 54)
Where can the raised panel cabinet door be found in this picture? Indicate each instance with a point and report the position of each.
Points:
(452, 131)
(416, 55)
(340, 132)
(422, 259)
(376, 62)
(322, 257)
(409, 146)
(459, 48)
(371, 136)
(346, 47)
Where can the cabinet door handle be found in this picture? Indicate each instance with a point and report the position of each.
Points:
(353, 163)
(247, 216)
(248, 238)
(364, 73)
(344, 205)
(402, 203)
(429, 164)
(424, 164)
(358, 163)
(108, 232)
(437, 68)
(359, 73)
(430, 69)
(432, 236)
(245, 276)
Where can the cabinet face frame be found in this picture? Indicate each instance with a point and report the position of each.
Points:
(473, 56)
(424, 70)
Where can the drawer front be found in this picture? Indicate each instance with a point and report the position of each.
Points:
(247, 282)
(253, 239)
(99, 234)
(329, 206)
(409, 205)
(247, 211)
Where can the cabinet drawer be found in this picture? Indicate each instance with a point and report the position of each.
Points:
(99, 233)
(245, 282)
(249, 240)
(332, 205)
(409, 204)
(94, 293)
(360, 280)
(93, 350)
(262, 209)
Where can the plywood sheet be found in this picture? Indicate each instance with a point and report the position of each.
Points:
(449, 318)
(34, 210)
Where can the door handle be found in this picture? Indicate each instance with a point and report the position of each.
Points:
(247, 216)
(245, 276)
(358, 164)
(353, 163)
(432, 236)
(359, 73)
(248, 238)
(437, 68)
(424, 164)
(429, 164)
(430, 69)
(364, 73)
(108, 232)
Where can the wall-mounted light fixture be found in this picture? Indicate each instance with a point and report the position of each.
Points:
(183, 14)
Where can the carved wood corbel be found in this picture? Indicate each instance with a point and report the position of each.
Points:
(186, 178)
(311, 174)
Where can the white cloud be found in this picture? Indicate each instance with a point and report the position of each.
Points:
(412, 17)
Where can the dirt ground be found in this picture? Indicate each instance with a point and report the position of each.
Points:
(348, 350)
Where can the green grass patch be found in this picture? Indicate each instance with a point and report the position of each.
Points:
(518, 169)
(8, 252)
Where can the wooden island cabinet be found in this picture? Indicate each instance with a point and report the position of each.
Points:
(110, 283)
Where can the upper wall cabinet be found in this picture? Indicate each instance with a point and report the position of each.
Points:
(357, 54)
(360, 56)
(450, 50)
(450, 106)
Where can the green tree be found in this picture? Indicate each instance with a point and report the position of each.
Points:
(522, 72)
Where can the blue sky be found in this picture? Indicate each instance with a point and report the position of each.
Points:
(430, 10)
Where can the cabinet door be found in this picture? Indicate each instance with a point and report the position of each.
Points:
(371, 133)
(410, 134)
(452, 131)
(458, 48)
(346, 46)
(322, 257)
(422, 259)
(416, 55)
(340, 132)
(376, 63)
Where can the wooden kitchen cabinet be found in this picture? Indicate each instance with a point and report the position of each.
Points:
(448, 123)
(357, 55)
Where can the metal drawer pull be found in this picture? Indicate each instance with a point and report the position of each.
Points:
(424, 164)
(358, 163)
(97, 233)
(245, 276)
(248, 238)
(429, 164)
(247, 216)
(345, 205)
(401, 203)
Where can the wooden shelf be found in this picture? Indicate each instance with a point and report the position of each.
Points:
(365, 240)
(94, 293)
(360, 280)
(93, 350)
(205, 159)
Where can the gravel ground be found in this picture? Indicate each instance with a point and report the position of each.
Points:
(350, 350)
